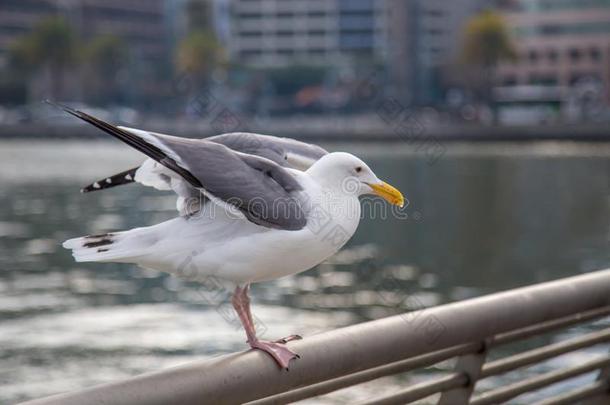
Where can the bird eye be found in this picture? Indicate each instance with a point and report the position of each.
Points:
(358, 169)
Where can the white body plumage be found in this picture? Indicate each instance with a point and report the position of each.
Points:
(220, 242)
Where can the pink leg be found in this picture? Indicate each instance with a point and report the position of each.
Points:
(245, 299)
(280, 353)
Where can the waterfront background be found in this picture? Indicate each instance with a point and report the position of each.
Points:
(479, 62)
(485, 217)
(491, 116)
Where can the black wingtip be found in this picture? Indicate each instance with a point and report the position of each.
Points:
(53, 103)
(134, 141)
(91, 187)
(125, 177)
(64, 107)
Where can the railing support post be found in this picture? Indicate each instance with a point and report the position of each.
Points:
(604, 375)
(470, 365)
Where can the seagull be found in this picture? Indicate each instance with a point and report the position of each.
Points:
(252, 208)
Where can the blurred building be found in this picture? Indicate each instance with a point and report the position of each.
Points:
(425, 37)
(140, 23)
(282, 32)
(217, 13)
(222, 21)
(17, 18)
(562, 43)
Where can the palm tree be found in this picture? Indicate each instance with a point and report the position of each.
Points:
(198, 55)
(105, 57)
(486, 43)
(51, 45)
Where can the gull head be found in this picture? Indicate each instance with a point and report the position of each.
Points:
(352, 176)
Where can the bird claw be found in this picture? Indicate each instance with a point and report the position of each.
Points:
(280, 353)
(290, 338)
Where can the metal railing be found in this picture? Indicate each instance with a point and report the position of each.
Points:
(466, 330)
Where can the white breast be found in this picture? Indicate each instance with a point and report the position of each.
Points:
(229, 247)
(332, 220)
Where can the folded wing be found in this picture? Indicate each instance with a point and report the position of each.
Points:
(284, 151)
(265, 192)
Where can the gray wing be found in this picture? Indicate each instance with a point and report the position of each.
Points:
(284, 151)
(266, 193)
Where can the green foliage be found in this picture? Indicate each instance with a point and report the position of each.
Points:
(22, 55)
(52, 45)
(52, 41)
(487, 41)
(198, 54)
(104, 58)
(106, 55)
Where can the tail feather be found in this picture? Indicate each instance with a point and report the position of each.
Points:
(109, 247)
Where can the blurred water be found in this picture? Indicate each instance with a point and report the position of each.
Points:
(483, 218)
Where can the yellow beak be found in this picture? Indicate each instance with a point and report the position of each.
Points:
(388, 193)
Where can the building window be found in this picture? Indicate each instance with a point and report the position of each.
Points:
(284, 33)
(249, 16)
(316, 13)
(595, 54)
(532, 56)
(251, 34)
(317, 51)
(246, 53)
(554, 29)
(315, 33)
(552, 55)
(509, 81)
(542, 79)
(575, 78)
(575, 54)
(434, 13)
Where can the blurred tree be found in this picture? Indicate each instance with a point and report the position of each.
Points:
(486, 43)
(51, 45)
(198, 55)
(22, 56)
(105, 58)
(14, 76)
(487, 40)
